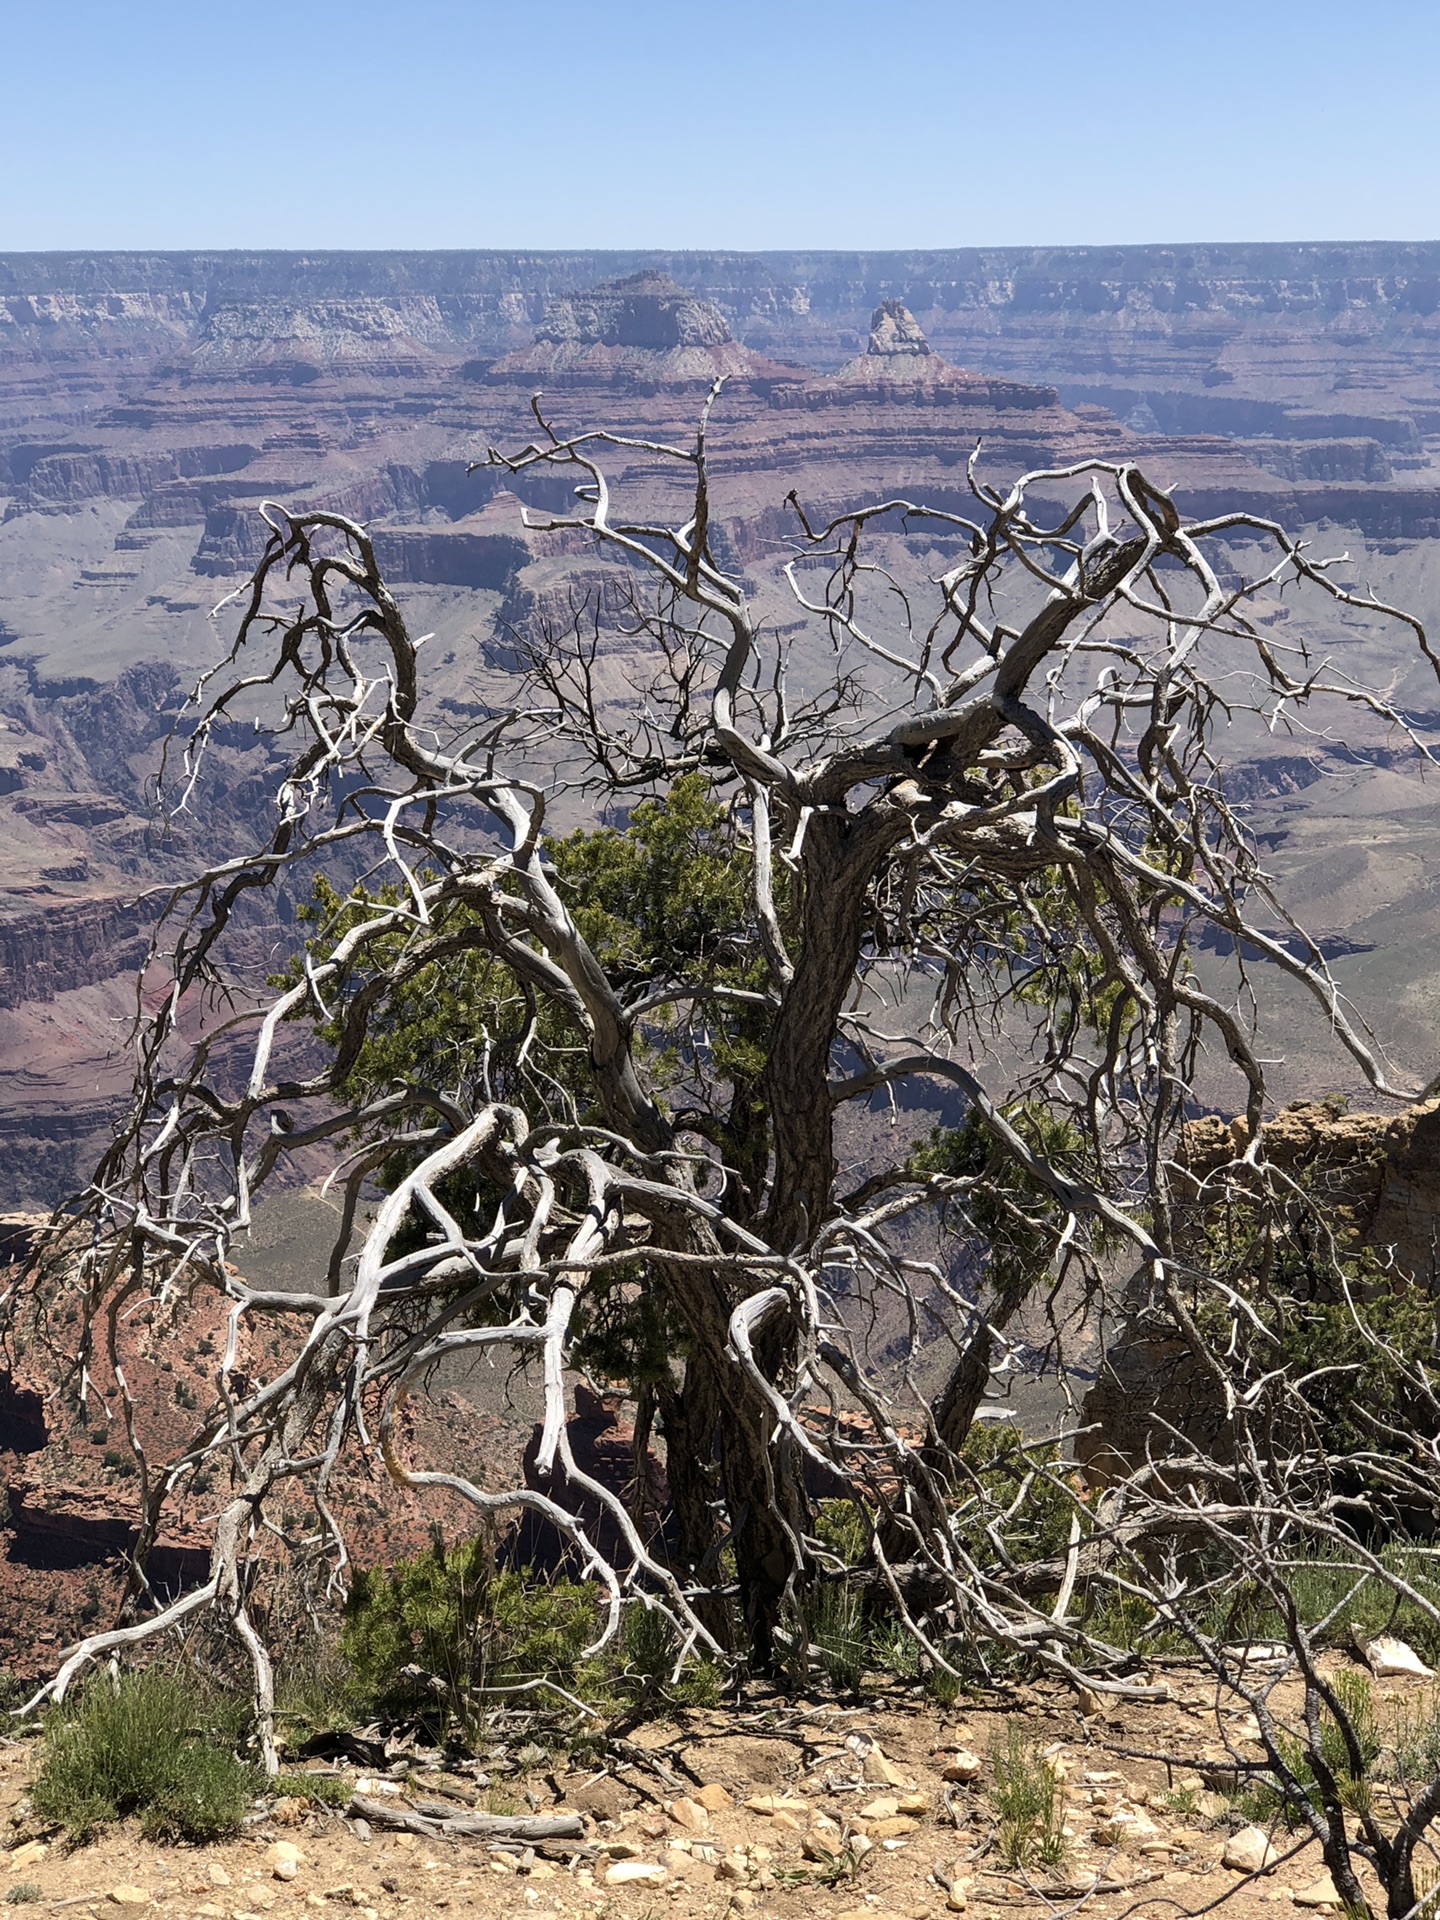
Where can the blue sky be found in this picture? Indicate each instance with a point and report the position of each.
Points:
(628, 123)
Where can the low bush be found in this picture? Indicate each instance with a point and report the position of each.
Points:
(153, 1744)
(324, 1789)
(446, 1637)
(647, 1674)
(438, 1637)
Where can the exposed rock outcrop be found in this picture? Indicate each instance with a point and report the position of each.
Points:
(1377, 1177)
(149, 405)
(639, 329)
(897, 347)
(62, 943)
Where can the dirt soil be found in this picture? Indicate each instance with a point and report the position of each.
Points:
(779, 1798)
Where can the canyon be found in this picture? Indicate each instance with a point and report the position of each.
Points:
(151, 404)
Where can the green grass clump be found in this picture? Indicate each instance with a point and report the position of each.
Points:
(24, 1894)
(150, 1744)
(838, 1634)
(1029, 1805)
(325, 1789)
(648, 1649)
(1267, 1799)
(316, 1690)
(1332, 1591)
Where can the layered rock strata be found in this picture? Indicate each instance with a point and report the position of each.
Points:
(155, 404)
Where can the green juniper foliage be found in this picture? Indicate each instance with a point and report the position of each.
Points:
(666, 898)
(446, 1637)
(443, 1634)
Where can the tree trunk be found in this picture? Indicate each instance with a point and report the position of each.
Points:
(720, 1419)
(841, 855)
(954, 1407)
(690, 1416)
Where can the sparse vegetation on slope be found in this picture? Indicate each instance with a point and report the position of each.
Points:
(153, 1744)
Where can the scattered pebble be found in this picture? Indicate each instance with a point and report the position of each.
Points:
(693, 1815)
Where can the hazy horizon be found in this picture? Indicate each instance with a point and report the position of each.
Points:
(162, 127)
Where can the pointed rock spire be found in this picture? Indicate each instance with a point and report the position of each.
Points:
(895, 333)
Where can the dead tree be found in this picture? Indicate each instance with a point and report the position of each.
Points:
(978, 847)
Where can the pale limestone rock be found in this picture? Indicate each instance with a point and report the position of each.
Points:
(882, 1772)
(128, 1896)
(28, 1855)
(714, 1798)
(1125, 1826)
(1319, 1893)
(1390, 1658)
(883, 1807)
(963, 1767)
(770, 1804)
(893, 1829)
(631, 1873)
(1249, 1851)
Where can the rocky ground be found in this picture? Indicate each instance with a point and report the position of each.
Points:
(786, 1808)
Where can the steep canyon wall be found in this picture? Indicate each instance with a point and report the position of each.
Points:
(149, 404)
